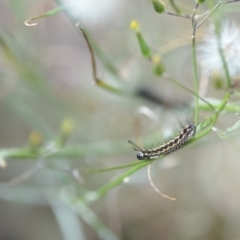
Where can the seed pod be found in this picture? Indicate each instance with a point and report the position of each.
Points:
(159, 6)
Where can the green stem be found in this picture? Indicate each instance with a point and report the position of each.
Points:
(229, 108)
(225, 66)
(194, 59)
(168, 77)
(209, 13)
(195, 73)
(29, 22)
(78, 151)
(14, 153)
(98, 170)
(117, 181)
(175, 7)
(213, 118)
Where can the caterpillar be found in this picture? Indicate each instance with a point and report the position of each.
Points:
(171, 146)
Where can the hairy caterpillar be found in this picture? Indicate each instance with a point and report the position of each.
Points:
(171, 146)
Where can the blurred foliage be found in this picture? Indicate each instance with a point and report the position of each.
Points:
(72, 96)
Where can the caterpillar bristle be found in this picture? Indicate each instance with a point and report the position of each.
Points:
(135, 145)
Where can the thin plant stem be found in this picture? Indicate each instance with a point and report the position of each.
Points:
(232, 1)
(93, 62)
(175, 7)
(155, 187)
(194, 11)
(166, 76)
(29, 22)
(229, 108)
(177, 15)
(195, 72)
(98, 81)
(15, 181)
(210, 12)
(213, 119)
(98, 170)
(225, 66)
(194, 58)
(110, 185)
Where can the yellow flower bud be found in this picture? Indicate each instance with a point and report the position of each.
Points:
(35, 139)
(134, 25)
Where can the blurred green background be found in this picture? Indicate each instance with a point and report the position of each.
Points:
(46, 78)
